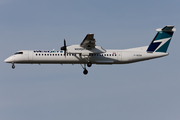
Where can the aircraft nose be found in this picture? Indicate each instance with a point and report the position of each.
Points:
(8, 60)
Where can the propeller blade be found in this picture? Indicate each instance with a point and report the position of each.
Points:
(65, 43)
(64, 47)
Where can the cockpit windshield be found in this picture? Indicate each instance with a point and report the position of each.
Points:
(18, 53)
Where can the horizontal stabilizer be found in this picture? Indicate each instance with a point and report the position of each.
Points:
(167, 29)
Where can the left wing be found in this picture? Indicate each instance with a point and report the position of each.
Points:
(88, 42)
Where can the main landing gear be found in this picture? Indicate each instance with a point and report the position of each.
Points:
(85, 70)
(13, 66)
(89, 64)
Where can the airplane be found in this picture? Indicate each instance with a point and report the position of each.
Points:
(88, 53)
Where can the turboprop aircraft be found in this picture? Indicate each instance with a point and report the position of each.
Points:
(87, 53)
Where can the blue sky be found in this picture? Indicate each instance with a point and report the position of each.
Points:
(145, 90)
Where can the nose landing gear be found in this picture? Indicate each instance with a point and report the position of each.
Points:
(13, 66)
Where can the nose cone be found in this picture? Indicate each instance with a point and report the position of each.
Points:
(9, 60)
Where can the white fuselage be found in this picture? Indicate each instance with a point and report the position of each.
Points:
(88, 53)
(108, 57)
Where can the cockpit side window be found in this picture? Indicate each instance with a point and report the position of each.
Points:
(18, 53)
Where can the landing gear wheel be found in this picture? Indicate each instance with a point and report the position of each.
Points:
(89, 64)
(13, 66)
(85, 72)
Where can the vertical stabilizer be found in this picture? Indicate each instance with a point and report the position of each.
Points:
(162, 39)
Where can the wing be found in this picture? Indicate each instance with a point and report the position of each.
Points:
(89, 41)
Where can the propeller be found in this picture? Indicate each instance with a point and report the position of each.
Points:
(64, 47)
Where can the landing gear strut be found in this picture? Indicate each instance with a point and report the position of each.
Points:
(13, 66)
(85, 70)
(89, 64)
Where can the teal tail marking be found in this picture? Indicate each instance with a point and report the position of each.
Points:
(162, 40)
